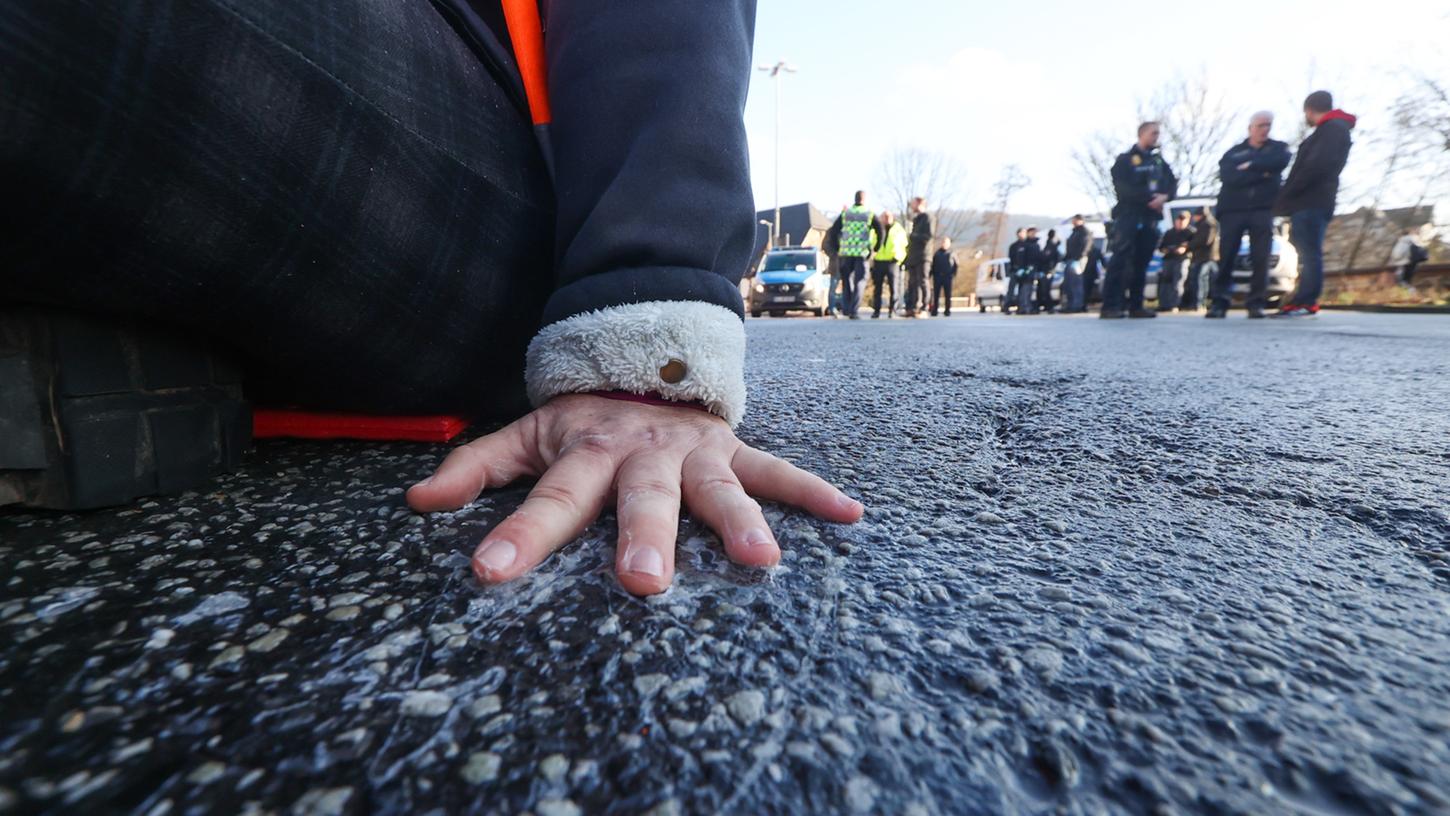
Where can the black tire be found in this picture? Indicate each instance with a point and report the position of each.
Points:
(754, 313)
(99, 413)
(777, 314)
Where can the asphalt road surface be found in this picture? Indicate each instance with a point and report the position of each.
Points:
(1173, 566)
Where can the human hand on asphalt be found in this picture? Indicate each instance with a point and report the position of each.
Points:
(589, 450)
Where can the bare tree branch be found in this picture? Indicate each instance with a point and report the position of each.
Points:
(906, 173)
(1093, 163)
(1198, 126)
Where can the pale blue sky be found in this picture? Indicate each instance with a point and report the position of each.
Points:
(996, 83)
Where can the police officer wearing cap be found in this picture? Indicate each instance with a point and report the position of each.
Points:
(1144, 184)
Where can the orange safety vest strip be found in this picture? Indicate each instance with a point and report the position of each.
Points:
(526, 31)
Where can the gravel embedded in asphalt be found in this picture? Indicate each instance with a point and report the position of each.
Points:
(1202, 566)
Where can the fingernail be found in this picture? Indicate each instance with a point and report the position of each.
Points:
(757, 538)
(497, 556)
(849, 504)
(425, 482)
(644, 560)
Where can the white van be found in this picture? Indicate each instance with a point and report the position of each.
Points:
(992, 283)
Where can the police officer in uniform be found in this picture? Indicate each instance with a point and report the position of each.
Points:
(1016, 260)
(1032, 258)
(1144, 183)
(859, 235)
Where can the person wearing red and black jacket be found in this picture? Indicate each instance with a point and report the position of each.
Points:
(1250, 172)
(1309, 195)
(515, 210)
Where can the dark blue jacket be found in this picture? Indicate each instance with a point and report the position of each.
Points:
(1078, 242)
(651, 173)
(943, 265)
(1257, 187)
(1025, 254)
(1138, 175)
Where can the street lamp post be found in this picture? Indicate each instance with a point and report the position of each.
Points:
(775, 72)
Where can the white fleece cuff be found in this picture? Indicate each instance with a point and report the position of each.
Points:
(638, 347)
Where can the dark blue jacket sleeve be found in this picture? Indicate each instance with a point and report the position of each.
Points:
(1126, 184)
(652, 176)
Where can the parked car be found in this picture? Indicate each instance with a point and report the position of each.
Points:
(790, 279)
(1283, 258)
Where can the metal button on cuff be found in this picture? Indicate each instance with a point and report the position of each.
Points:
(673, 372)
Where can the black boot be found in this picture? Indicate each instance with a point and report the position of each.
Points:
(98, 412)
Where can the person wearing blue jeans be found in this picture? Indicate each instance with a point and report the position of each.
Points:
(1307, 228)
(1309, 195)
(1074, 253)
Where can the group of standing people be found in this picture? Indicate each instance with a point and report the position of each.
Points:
(1188, 247)
(1031, 267)
(861, 240)
(1253, 192)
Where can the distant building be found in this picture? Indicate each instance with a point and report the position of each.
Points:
(1363, 239)
(800, 225)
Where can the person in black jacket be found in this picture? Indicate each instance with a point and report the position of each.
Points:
(1073, 255)
(1174, 247)
(1144, 183)
(1091, 274)
(1031, 263)
(1051, 255)
(1309, 194)
(917, 246)
(1202, 251)
(416, 207)
(1250, 172)
(1016, 264)
(943, 274)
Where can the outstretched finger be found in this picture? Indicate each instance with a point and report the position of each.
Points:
(567, 499)
(648, 487)
(767, 477)
(488, 461)
(716, 497)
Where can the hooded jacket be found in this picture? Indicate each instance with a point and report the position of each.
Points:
(1313, 183)
(637, 106)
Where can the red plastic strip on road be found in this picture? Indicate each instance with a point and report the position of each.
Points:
(269, 423)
